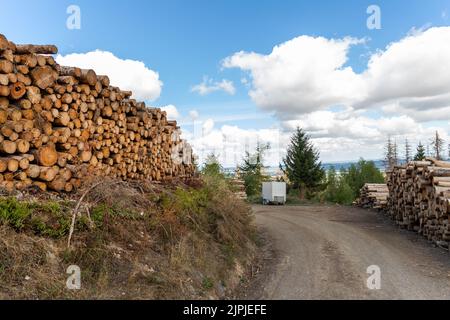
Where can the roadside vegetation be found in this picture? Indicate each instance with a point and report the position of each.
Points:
(251, 172)
(343, 186)
(181, 240)
(307, 181)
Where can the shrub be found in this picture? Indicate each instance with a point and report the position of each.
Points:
(344, 187)
(212, 167)
(361, 173)
(42, 218)
(251, 171)
(14, 213)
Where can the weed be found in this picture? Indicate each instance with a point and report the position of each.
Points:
(98, 214)
(148, 241)
(14, 213)
(207, 283)
(229, 253)
(49, 219)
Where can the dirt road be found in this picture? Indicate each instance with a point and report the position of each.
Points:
(324, 252)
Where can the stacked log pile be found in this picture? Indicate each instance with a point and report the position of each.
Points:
(239, 188)
(419, 198)
(59, 125)
(373, 196)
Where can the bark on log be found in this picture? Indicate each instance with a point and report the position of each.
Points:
(41, 49)
(76, 124)
(88, 76)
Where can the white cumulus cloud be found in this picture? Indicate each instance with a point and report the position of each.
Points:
(337, 137)
(172, 111)
(308, 74)
(124, 73)
(193, 114)
(415, 72)
(302, 75)
(208, 86)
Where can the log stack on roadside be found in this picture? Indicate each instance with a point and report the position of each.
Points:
(59, 125)
(239, 188)
(419, 198)
(373, 196)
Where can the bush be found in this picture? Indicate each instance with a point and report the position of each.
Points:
(212, 167)
(361, 173)
(344, 187)
(251, 171)
(46, 219)
(14, 213)
(344, 194)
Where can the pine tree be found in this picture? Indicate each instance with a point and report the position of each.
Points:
(251, 170)
(407, 151)
(302, 165)
(420, 154)
(437, 144)
(212, 166)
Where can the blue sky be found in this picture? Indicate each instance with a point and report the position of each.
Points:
(184, 41)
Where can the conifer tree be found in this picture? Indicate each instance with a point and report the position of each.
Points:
(420, 154)
(301, 164)
(212, 166)
(252, 170)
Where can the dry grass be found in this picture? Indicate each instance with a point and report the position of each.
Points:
(131, 241)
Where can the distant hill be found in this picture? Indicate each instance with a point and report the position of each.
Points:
(274, 171)
(345, 165)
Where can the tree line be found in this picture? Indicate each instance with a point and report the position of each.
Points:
(435, 148)
(303, 172)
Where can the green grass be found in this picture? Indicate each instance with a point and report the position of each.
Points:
(198, 232)
(47, 219)
(207, 283)
(229, 253)
(14, 213)
(255, 199)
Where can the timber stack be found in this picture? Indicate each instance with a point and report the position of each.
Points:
(419, 198)
(59, 125)
(239, 188)
(373, 196)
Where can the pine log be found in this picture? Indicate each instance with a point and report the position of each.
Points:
(6, 66)
(44, 77)
(17, 90)
(40, 49)
(46, 156)
(48, 174)
(4, 43)
(88, 76)
(8, 147)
